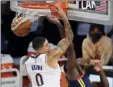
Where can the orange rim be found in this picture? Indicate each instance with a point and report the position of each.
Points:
(42, 5)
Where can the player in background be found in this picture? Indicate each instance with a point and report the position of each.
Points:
(43, 69)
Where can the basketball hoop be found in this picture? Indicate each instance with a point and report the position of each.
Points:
(33, 10)
(28, 12)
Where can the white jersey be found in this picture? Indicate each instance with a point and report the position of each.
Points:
(40, 74)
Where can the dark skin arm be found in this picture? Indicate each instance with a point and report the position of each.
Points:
(103, 78)
(73, 68)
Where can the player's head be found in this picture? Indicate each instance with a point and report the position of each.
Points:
(40, 44)
(96, 31)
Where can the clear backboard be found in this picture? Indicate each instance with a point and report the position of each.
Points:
(100, 12)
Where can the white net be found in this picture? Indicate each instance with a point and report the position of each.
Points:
(31, 14)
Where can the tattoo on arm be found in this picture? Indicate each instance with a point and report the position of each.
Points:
(60, 50)
(64, 44)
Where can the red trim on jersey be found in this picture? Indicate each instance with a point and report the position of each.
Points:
(29, 53)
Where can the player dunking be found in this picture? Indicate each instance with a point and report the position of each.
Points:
(43, 69)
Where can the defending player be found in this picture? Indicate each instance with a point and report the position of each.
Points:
(43, 69)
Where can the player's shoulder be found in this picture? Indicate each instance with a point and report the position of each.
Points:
(30, 59)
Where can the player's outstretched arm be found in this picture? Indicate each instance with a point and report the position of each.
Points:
(103, 79)
(64, 43)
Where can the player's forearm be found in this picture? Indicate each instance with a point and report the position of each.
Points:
(71, 56)
(103, 79)
(72, 62)
(68, 30)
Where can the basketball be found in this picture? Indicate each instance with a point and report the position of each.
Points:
(21, 29)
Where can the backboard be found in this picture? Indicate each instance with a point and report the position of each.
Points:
(99, 12)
